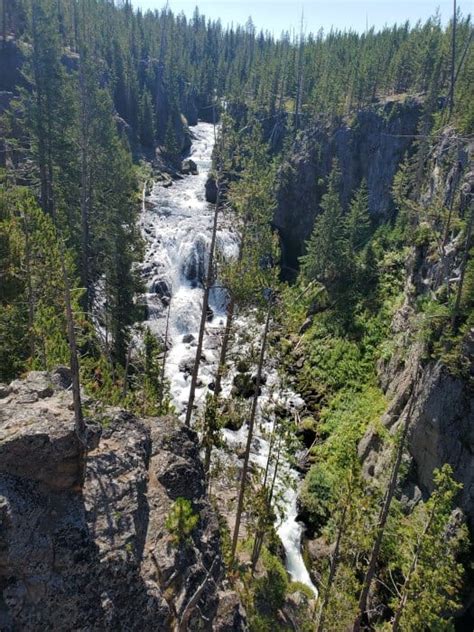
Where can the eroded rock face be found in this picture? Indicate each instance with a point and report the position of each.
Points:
(442, 424)
(441, 431)
(101, 558)
(370, 147)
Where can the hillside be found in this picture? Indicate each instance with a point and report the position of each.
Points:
(236, 323)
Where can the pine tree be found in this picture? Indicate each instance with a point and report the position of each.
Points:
(427, 592)
(357, 221)
(147, 121)
(324, 259)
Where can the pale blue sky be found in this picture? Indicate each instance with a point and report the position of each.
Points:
(279, 15)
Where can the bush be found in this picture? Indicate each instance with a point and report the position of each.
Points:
(316, 497)
(181, 521)
(270, 590)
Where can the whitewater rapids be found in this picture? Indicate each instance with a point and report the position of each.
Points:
(176, 224)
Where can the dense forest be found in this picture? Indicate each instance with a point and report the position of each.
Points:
(98, 102)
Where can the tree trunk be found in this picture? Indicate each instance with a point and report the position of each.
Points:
(260, 535)
(243, 482)
(374, 555)
(85, 177)
(192, 603)
(413, 565)
(334, 561)
(165, 353)
(205, 303)
(31, 299)
(228, 325)
(453, 61)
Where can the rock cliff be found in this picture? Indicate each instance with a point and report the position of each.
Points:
(370, 146)
(442, 422)
(442, 430)
(101, 558)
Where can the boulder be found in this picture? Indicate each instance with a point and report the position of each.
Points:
(38, 440)
(243, 366)
(211, 190)
(189, 167)
(186, 365)
(230, 614)
(162, 289)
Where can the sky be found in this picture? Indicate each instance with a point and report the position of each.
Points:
(279, 15)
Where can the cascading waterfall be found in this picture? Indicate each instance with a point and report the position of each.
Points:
(176, 224)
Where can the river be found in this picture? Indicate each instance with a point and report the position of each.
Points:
(176, 224)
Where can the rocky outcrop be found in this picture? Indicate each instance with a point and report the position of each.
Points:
(211, 189)
(101, 557)
(370, 146)
(442, 426)
(441, 430)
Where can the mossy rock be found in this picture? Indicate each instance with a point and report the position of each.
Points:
(307, 431)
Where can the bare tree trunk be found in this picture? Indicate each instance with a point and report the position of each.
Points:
(165, 353)
(413, 565)
(225, 346)
(85, 176)
(127, 366)
(80, 425)
(260, 535)
(192, 603)
(275, 472)
(382, 521)
(205, 304)
(243, 482)
(31, 299)
(228, 325)
(334, 561)
(453, 61)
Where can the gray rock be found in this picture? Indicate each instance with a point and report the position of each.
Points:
(211, 190)
(189, 167)
(100, 557)
(230, 614)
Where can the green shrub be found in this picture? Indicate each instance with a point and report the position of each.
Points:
(316, 496)
(181, 521)
(271, 589)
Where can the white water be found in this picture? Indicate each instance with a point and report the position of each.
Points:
(176, 224)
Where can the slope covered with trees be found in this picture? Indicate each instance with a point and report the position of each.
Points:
(95, 100)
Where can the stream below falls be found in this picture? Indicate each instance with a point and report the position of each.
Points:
(176, 224)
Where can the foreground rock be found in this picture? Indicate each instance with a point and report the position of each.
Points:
(102, 558)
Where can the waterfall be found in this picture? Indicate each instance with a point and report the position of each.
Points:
(176, 224)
